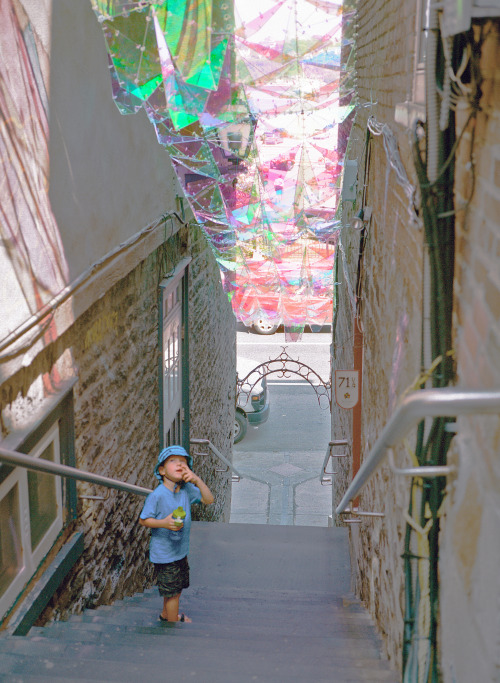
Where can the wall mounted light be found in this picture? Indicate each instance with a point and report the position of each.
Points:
(361, 219)
(237, 137)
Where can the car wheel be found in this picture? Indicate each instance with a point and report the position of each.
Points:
(264, 326)
(240, 426)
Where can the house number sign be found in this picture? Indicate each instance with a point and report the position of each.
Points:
(347, 388)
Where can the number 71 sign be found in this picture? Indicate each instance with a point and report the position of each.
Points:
(347, 388)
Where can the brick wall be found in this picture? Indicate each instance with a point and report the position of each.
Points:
(390, 312)
(388, 307)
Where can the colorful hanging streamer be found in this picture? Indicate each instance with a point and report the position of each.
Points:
(246, 98)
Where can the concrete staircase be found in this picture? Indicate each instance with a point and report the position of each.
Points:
(268, 603)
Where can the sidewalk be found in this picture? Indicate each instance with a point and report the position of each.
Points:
(280, 488)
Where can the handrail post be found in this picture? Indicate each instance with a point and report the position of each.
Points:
(325, 480)
(235, 476)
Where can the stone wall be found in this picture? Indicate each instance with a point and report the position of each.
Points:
(212, 349)
(114, 348)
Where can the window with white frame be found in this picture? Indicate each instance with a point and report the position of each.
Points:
(31, 517)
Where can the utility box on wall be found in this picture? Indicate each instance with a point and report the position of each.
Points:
(350, 180)
(458, 14)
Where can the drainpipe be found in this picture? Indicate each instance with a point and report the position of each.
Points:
(185, 360)
(431, 95)
(356, 411)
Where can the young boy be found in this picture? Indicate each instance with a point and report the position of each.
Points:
(169, 543)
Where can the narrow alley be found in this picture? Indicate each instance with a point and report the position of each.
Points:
(187, 189)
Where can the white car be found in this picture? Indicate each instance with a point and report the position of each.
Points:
(271, 138)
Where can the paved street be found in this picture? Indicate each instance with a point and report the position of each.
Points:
(281, 460)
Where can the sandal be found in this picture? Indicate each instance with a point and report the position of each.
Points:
(182, 617)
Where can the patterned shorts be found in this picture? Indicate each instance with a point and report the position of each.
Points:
(172, 577)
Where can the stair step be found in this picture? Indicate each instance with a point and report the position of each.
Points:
(339, 598)
(122, 649)
(221, 603)
(242, 640)
(217, 604)
(211, 677)
(272, 621)
(235, 629)
(268, 605)
(193, 663)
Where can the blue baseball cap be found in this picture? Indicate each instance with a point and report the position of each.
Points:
(167, 452)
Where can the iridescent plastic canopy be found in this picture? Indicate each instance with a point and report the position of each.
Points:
(245, 97)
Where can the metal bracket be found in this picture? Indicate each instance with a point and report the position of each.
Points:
(423, 471)
(234, 477)
(362, 513)
(92, 497)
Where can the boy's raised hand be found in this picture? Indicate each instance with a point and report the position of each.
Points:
(206, 495)
(189, 475)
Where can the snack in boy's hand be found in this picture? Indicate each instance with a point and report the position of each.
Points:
(178, 515)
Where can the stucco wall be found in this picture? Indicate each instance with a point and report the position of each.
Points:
(470, 554)
(99, 198)
(81, 177)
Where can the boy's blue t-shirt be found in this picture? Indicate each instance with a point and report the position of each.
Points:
(165, 545)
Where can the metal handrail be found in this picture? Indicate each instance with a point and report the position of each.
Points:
(57, 469)
(446, 402)
(39, 465)
(229, 465)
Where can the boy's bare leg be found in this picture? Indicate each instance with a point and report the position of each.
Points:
(171, 609)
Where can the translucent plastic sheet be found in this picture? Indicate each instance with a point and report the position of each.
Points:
(245, 97)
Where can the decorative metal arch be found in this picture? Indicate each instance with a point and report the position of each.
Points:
(284, 366)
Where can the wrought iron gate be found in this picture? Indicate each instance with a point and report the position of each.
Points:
(285, 366)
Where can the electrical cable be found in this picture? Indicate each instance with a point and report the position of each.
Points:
(435, 178)
(50, 307)
(394, 158)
